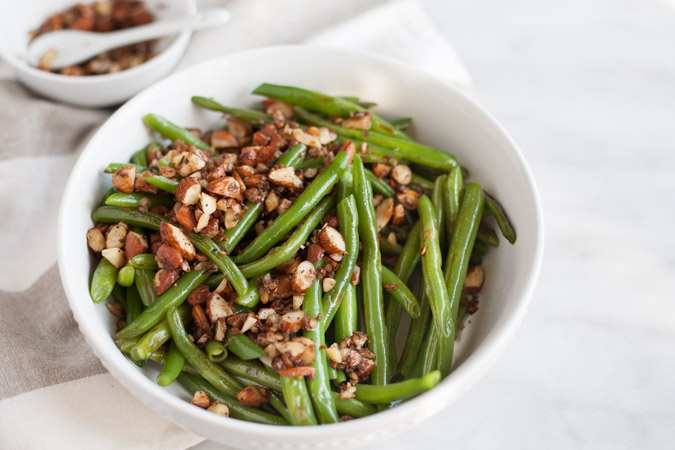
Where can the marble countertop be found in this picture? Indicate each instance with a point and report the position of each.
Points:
(587, 89)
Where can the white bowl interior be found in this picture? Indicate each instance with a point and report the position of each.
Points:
(443, 117)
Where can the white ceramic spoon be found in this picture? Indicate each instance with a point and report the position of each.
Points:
(74, 46)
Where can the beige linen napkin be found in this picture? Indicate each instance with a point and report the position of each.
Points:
(54, 393)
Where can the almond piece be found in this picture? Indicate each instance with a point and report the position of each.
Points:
(381, 170)
(198, 295)
(358, 121)
(327, 284)
(219, 408)
(303, 277)
(223, 139)
(174, 237)
(285, 176)
(186, 217)
(208, 203)
(239, 129)
(402, 174)
(314, 253)
(277, 109)
(217, 307)
(124, 179)
(249, 156)
(115, 256)
(135, 244)
(356, 275)
(201, 399)
(302, 371)
(168, 257)
(408, 198)
(326, 136)
(225, 186)
(143, 186)
(188, 191)
(189, 163)
(333, 353)
(331, 240)
(163, 280)
(291, 322)
(309, 140)
(116, 236)
(475, 277)
(383, 213)
(399, 215)
(95, 240)
(253, 396)
(271, 202)
(298, 299)
(221, 329)
(201, 321)
(202, 222)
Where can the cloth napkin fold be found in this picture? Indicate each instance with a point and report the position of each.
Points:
(53, 391)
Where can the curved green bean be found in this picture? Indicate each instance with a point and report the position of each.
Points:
(397, 391)
(114, 167)
(172, 367)
(103, 281)
(156, 336)
(400, 293)
(215, 351)
(173, 132)
(309, 198)
(380, 185)
(502, 219)
(353, 407)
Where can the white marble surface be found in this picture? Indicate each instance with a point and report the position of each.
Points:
(587, 88)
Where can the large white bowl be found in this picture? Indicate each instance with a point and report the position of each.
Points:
(17, 18)
(443, 117)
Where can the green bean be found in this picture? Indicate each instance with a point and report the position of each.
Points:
(374, 153)
(486, 234)
(463, 239)
(409, 150)
(215, 350)
(421, 183)
(252, 371)
(114, 214)
(125, 276)
(114, 167)
(174, 296)
(299, 237)
(173, 132)
(400, 292)
(428, 359)
(307, 201)
(141, 156)
(290, 158)
(347, 314)
(143, 261)
(195, 383)
(388, 248)
(298, 401)
(344, 186)
(502, 219)
(371, 274)
(311, 163)
(251, 297)
(242, 346)
(352, 407)
(437, 199)
(133, 305)
(103, 281)
(156, 336)
(164, 183)
(380, 186)
(402, 124)
(397, 391)
(222, 261)
(319, 385)
(137, 199)
(454, 191)
(416, 334)
(107, 194)
(436, 289)
(172, 367)
(335, 106)
(245, 115)
(119, 294)
(143, 279)
(348, 220)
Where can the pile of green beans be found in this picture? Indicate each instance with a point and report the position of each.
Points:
(452, 225)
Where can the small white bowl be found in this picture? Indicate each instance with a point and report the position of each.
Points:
(443, 117)
(17, 19)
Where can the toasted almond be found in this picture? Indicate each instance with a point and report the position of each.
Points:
(408, 198)
(249, 156)
(201, 399)
(399, 215)
(337, 257)
(189, 163)
(232, 217)
(174, 237)
(381, 170)
(219, 408)
(278, 109)
(249, 323)
(163, 280)
(217, 307)
(360, 121)
(298, 299)
(186, 217)
(188, 191)
(115, 256)
(383, 213)
(283, 206)
(271, 202)
(168, 172)
(333, 353)
(223, 139)
(95, 240)
(253, 396)
(356, 275)
(198, 295)
(285, 176)
(291, 322)
(402, 174)
(314, 253)
(202, 222)
(135, 244)
(302, 371)
(475, 277)
(348, 147)
(239, 129)
(326, 136)
(391, 238)
(309, 140)
(221, 329)
(331, 240)
(124, 179)
(327, 284)
(168, 257)
(201, 321)
(141, 185)
(116, 236)
(225, 186)
(303, 277)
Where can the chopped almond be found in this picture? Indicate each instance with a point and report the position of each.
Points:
(143, 186)
(198, 295)
(201, 321)
(163, 280)
(303, 277)
(189, 163)
(95, 240)
(331, 240)
(285, 176)
(248, 156)
(225, 186)
(399, 215)
(308, 139)
(356, 275)
(327, 284)
(314, 253)
(124, 179)
(249, 323)
(383, 213)
(168, 257)
(402, 174)
(278, 109)
(217, 307)
(408, 198)
(475, 277)
(359, 121)
(381, 170)
(223, 139)
(201, 399)
(253, 396)
(326, 136)
(135, 244)
(219, 408)
(291, 322)
(174, 237)
(208, 203)
(186, 217)
(115, 256)
(333, 353)
(116, 236)
(188, 191)
(239, 129)
(302, 371)
(271, 202)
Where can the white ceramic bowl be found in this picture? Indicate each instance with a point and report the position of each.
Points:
(18, 18)
(442, 116)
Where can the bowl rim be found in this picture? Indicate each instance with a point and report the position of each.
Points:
(181, 41)
(449, 389)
